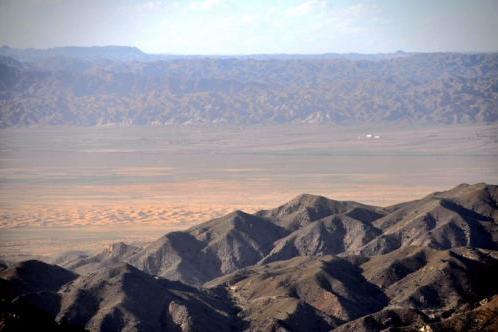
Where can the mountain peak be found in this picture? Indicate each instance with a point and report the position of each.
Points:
(306, 208)
(35, 275)
(35, 267)
(308, 198)
(237, 213)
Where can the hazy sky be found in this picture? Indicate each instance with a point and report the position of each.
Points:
(253, 26)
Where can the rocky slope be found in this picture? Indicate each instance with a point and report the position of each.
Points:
(119, 297)
(307, 225)
(463, 216)
(423, 284)
(312, 226)
(411, 288)
(310, 264)
(320, 291)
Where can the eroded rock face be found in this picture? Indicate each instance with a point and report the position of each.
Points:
(180, 316)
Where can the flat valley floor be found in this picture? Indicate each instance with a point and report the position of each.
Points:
(71, 189)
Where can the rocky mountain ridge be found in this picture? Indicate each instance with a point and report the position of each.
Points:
(310, 264)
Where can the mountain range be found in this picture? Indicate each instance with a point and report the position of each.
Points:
(122, 86)
(312, 264)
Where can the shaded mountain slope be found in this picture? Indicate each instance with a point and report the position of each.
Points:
(410, 287)
(124, 298)
(237, 240)
(463, 216)
(471, 318)
(432, 290)
(306, 208)
(327, 236)
(37, 282)
(119, 297)
(392, 319)
(194, 256)
(311, 226)
(211, 249)
(427, 278)
(310, 290)
(482, 318)
(84, 263)
(425, 265)
(321, 226)
(33, 276)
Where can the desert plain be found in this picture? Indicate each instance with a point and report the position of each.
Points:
(80, 189)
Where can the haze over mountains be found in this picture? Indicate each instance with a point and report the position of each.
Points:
(123, 86)
(310, 264)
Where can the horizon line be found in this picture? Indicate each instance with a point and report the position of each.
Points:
(248, 54)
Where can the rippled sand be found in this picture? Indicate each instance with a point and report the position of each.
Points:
(95, 215)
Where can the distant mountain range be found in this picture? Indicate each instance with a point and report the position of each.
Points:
(118, 53)
(126, 53)
(312, 264)
(122, 86)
